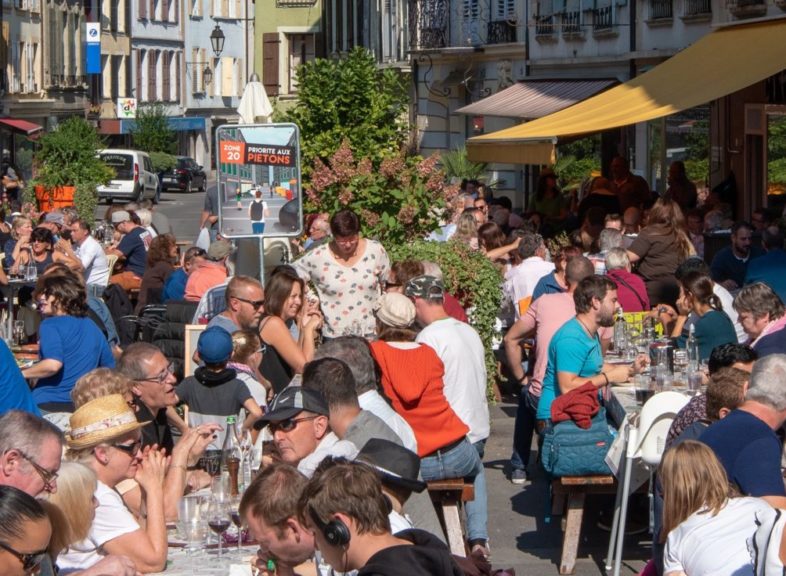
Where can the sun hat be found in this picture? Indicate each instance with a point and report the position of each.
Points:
(219, 250)
(215, 345)
(120, 216)
(101, 420)
(290, 402)
(426, 287)
(395, 310)
(54, 218)
(396, 465)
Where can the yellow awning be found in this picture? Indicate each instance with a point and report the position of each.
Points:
(720, 63)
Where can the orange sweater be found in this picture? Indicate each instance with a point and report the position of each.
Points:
(412, 379)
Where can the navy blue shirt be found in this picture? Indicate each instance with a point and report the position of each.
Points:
(134, 247)
(547, 285)
(725, 265)
(749, 451)
(175, 286)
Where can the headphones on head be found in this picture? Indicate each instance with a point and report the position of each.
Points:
(334, 531)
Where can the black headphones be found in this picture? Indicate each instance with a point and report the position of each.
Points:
(335, 531)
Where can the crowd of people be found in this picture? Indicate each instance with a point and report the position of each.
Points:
(368, 381)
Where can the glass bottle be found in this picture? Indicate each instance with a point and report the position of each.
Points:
(231, 455)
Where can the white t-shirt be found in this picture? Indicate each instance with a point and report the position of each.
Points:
(709, 545)
(375, 403)
(330, 445)
(461, 351)
(94, 261)
(520, 281)
(112, 520)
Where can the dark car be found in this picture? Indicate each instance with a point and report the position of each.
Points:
(187, 175)
(289, 215)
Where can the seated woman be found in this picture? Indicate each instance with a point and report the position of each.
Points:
(72, 510)
(70, 343)
(105, 436)
(43, 251)
(21, 228)
(763, 317)
(495, 246)
(161, 258)
(285, 356)
(467, 229)
(24, 532)
(705, 529)
(712, 327)
(247, 353)
(411, 376)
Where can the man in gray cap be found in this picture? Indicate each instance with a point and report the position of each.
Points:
(209, 272)
(53, 221)
(132, 248)
(461, 351)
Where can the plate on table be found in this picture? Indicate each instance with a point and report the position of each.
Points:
(23, 363)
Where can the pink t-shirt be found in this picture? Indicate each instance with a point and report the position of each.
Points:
(546, 315)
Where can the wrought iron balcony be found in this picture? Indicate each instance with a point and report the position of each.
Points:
(501, 32)
(697, 7)
(661, 9)
(571, 22)
(603, 19)
(748, 8)
(428, 24)
(544, 26)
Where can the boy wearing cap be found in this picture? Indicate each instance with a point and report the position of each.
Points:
(214, 391)
(132, 248)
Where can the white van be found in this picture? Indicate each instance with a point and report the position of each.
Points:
(134, 177)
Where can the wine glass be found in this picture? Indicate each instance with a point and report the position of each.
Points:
(234, 511)
(19, 332)
(218, 519)
(192, 526)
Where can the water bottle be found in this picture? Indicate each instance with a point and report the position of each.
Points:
(620, 333)
(231, 456)
(692, 347)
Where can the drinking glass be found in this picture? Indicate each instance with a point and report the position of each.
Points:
(234, 510)
(219, 520)
(191, 525)
(31, 273)
(19, 332)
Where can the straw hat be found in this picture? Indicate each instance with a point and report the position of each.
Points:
(101, 420)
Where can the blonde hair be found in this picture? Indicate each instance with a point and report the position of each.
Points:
(97, 383)
(693, 479)
(244, 344)
(71, 508)
(18, 222)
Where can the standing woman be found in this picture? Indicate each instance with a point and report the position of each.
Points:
(286, 355)
(660, 247)
(24, 532)
(348, 274)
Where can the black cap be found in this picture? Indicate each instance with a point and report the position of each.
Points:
(395, 464)
(292, 401)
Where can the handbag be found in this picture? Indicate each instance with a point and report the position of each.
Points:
(572, 451)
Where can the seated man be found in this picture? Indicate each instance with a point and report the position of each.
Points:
(745, 441)
(175, 284)
(346, 511)
(208, 272)
(132, 248)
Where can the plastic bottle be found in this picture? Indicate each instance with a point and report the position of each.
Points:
(620, 333)
(692, 347)
(231, 456)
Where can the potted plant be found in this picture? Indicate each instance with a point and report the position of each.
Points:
(68, 168)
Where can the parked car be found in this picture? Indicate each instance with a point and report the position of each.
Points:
(186, 175)
(134, 177)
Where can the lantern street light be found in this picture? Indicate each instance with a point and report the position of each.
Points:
(217, 40)
(208, 75)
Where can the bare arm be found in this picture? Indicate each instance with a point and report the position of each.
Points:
(633, 257)
(503, 250)
(254, 413)
(276, 334)
(43, 369)
(520, 331)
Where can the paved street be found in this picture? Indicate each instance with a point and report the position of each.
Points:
(519, 536)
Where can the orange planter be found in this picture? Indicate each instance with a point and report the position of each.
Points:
(60, 197)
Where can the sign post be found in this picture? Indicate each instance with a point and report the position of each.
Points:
(93, 48)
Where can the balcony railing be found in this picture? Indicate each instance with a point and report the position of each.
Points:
(544, 25)
(661, 9)
(428, 24)
(571, 22)
(748, 8)
(603, 19)
(501, 32)
(697, 7)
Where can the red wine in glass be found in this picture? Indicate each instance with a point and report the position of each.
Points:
(219, 526)
(236, 519)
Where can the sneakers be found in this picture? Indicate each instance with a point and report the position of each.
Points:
(518, 476)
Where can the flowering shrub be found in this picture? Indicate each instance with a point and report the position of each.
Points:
(401, 200)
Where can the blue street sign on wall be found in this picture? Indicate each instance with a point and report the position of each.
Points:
(93, 51)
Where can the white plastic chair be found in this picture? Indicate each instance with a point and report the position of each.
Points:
(647, 442)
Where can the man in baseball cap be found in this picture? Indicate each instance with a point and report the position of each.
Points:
(210, 271)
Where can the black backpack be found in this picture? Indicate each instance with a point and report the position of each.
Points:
(257, 211)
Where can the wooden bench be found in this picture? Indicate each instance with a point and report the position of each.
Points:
(573, 489)
(448, 496)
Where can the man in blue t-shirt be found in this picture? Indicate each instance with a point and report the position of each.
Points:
(745, 441)
(575, 354)
(14, 392)
(731, 263)
(132, 248)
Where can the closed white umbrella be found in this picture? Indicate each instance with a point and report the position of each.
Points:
(254, 103)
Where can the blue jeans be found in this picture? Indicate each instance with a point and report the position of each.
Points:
(523, 429)
(463, 461)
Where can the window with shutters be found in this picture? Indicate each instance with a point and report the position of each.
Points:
(141, 9)
(301, 50)
(227, 76)
(224, 9)
(505, 10)
(178, 60)
(114, 93)
(270, 46)
(195, 9)
(166, 71)
(140, 54)
(152, 60)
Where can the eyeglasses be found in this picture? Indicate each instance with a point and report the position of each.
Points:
(262, 349)
(47, 476)
(29, 561)
(289, 424)
(161, 378)
(130, 449)
(254, 303)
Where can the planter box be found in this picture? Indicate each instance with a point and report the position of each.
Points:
(60, 197)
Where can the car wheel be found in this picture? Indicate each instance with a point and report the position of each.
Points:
(202, 184)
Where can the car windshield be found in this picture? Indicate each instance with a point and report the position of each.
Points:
(182, 163)
(123, 164)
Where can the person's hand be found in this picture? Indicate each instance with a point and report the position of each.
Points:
(618, 373)
(664, 313)
(269, 565)
(203, 435)
(640, 363)
(112, 565)
(63, 245)
(198, 479)
(729, 284)
(683, 305)
(313, 321)
(152, 471)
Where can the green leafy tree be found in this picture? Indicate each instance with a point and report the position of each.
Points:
(349, 98)
(152, 134)
(456, 164)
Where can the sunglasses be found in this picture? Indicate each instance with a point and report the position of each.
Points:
(289, 424)
(29, 561)
(130, 449)
(47, 476)
(254, 303)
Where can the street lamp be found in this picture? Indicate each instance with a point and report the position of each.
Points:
(207, 75)
(217, 40)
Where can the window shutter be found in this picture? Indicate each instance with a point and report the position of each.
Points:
(142, 15)
(138, 74)
(166, 56)
(167, 6)
(178, 58)
(270, 46)
(151, 75)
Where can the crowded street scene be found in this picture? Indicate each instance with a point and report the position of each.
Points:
(414, 288)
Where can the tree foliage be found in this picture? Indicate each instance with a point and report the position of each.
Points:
(152, 134)
(456, 164)
(349, 98)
